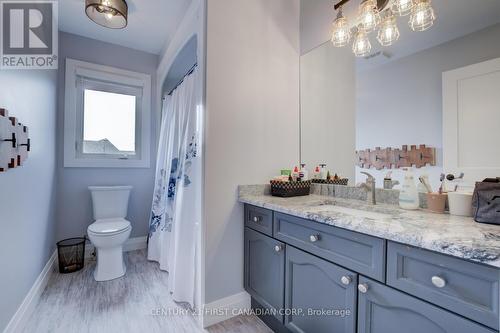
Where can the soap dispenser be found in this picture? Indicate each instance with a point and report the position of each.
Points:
(408, 196)
(323, 172)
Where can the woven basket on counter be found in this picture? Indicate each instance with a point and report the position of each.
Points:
(290, 189)
(340, 181)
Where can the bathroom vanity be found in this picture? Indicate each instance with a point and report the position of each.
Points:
(322, 263)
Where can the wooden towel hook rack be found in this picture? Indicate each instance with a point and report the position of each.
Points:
(390, 158)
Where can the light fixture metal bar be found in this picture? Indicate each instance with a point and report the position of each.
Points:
(381, 4)
(340, 4)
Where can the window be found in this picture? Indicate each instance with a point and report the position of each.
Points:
(107, 117)
(108, 123)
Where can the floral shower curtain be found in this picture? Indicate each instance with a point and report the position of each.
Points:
(176, 208)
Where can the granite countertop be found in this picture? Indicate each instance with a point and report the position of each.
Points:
(453, 235)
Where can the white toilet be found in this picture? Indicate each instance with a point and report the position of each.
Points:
(110, 230)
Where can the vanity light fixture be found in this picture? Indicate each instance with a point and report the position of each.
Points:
(422, 15)
(389, 32)
(369, 15)
(111, 14)
(403, 7)
(362, 46)
(341, 30)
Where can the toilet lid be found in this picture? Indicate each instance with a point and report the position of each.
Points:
(109, 226)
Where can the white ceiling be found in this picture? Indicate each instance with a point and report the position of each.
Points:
(455, 18)
(151, 23)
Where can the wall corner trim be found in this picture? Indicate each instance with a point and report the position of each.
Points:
(29, 303)
(225, 308)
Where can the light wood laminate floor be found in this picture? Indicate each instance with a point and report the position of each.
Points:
(75, 303)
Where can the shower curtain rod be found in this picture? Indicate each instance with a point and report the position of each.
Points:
(190, 71)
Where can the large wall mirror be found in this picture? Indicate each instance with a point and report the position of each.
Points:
(394, 96)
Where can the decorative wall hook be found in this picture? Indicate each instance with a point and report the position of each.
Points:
(397, 158)
(12, 139)
(27, 145)
(14, 142)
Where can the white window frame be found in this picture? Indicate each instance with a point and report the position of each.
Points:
(83, 75)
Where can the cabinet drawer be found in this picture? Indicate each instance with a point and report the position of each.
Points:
(385, 310)
(468, 289)
(259, 219)
(361, 253)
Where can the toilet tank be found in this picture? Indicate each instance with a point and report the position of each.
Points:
(110, 201)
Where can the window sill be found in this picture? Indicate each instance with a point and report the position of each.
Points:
(106, 163)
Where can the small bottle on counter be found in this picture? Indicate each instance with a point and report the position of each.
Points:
(303, 172)
(316, 173)
(296, 174)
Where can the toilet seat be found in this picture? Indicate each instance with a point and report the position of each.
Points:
(109, 227)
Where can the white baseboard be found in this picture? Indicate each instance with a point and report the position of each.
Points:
(132, 244)
(225, 308)
(29, 303)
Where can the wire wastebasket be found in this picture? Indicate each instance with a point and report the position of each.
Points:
(71, 254)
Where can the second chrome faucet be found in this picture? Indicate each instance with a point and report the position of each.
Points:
(369, 186)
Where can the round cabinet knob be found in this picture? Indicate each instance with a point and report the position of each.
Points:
(256, 219)
(314, 238)
(363, 288)
(346, 280)
(438, 281)
(278, 248)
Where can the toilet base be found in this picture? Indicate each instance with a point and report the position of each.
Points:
(110, 264)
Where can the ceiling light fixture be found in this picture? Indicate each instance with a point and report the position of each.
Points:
(403, 7)
(369, 15)
(107, 13)
(389, 32)
(341, 30)
(422, 16)
(362, 46)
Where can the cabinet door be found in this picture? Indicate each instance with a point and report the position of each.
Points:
(265, 271)
(319, 296)
(385, 310)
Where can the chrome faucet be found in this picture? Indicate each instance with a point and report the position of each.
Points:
(369, 186)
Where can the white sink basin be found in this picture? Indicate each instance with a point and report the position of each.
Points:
(352, 212)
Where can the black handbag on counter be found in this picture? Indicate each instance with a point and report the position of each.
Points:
(486, 201)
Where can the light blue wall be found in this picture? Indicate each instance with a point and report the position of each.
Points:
(27, 193)
(74, 209)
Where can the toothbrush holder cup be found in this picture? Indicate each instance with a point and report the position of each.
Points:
(436, 202)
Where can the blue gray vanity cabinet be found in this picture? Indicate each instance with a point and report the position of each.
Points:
(259, 219)
(361, 253)
(382, 309)
(293, 264)
(316, 284)
(466, 288)
(265, 271)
